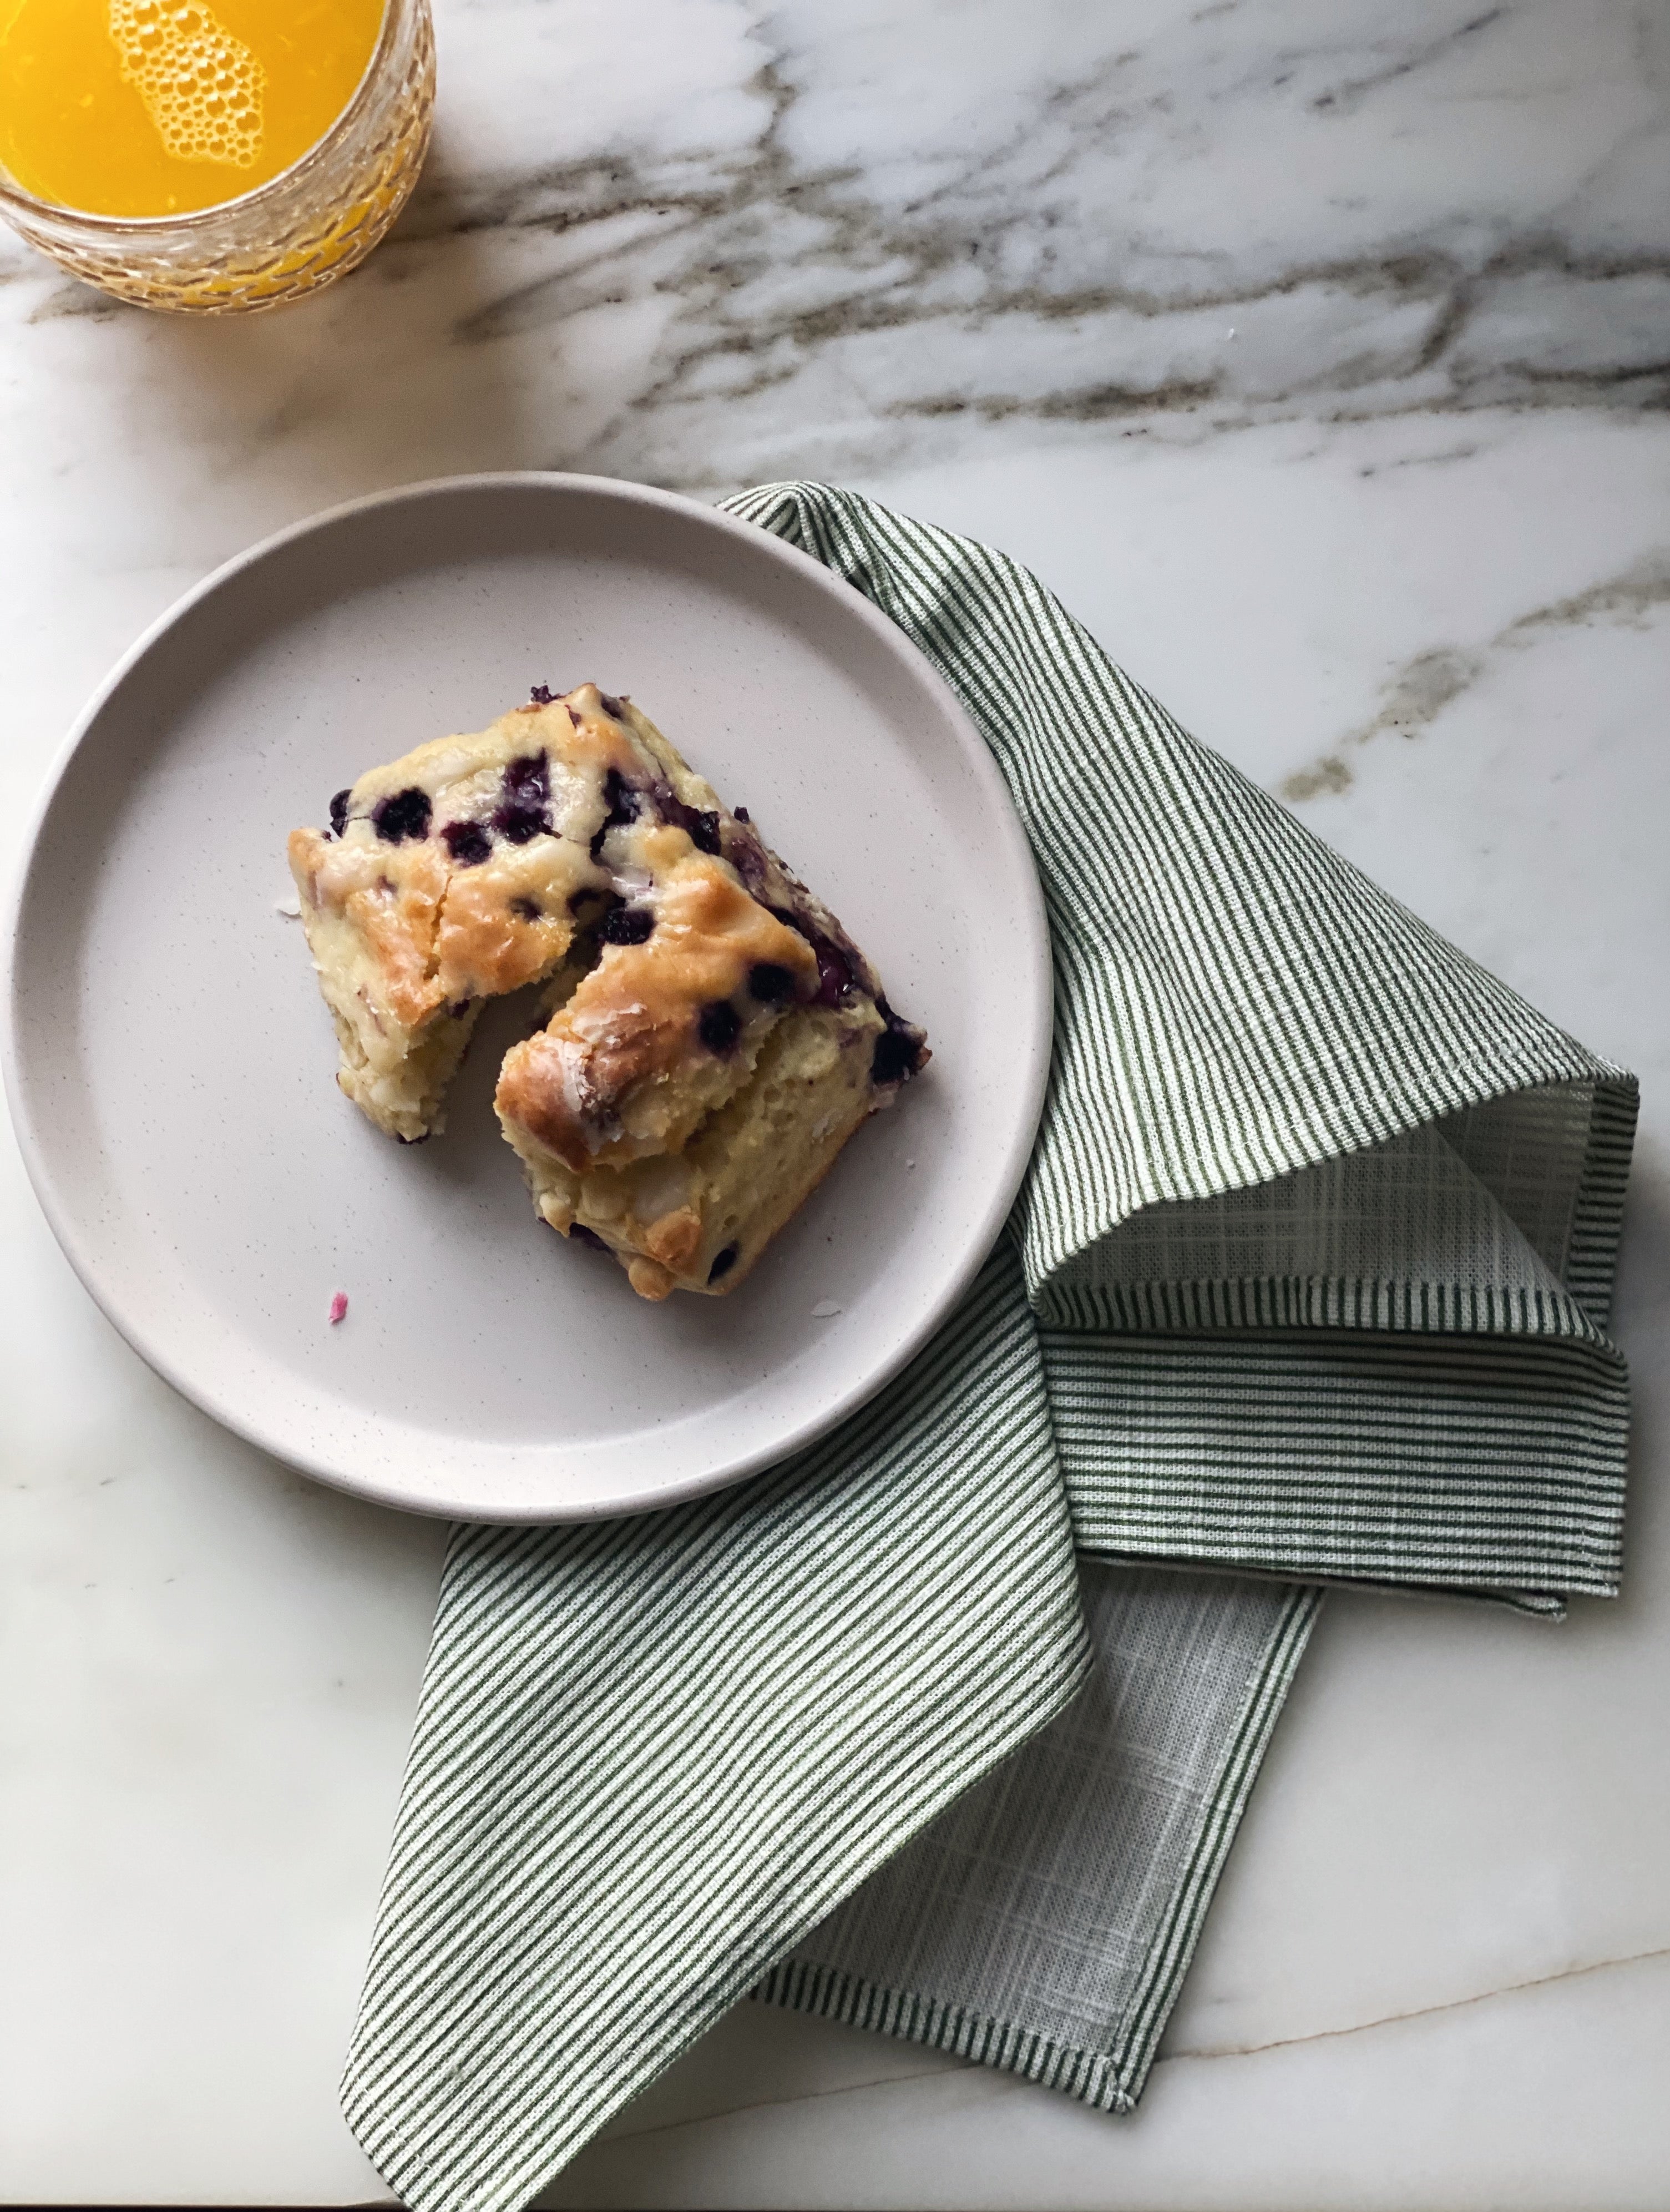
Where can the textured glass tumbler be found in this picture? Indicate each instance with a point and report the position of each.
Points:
(303, 228)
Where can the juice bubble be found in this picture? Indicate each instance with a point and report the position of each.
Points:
(202, 87)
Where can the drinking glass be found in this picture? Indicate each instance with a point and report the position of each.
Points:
(303, 228)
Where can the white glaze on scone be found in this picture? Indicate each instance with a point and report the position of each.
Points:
(715, 1036)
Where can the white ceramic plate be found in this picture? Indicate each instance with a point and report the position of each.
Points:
(172, 1064)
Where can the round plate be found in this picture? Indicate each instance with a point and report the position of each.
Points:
(172, 1064)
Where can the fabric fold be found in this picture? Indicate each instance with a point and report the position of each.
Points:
(1045, 1924)
(1309, 1281)
(651, 1753)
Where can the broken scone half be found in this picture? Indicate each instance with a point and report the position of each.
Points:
(714, 1036)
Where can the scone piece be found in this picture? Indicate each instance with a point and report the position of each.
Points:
(460, 871)
(697, 1218)
(694, 1086)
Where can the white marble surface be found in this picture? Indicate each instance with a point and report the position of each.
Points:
(1313, 354)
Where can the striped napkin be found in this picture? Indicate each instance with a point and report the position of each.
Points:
(944, 1726)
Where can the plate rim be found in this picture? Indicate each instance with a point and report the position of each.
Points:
(1033, 1046)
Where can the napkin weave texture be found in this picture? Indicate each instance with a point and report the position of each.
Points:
(944, 1726)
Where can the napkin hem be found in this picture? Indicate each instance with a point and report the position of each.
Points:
(1450, 1464)
(1111, 2080)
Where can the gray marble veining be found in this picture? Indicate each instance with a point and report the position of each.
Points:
(840, 238)
(961, 220)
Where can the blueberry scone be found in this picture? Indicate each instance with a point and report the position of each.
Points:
(714, 1037)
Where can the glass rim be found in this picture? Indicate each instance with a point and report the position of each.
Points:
(17, 195)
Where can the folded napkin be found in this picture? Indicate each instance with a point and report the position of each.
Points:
(1309, 1281)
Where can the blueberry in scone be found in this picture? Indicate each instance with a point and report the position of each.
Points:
(714, 1036)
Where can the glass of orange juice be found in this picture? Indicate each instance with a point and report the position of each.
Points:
(211, 156)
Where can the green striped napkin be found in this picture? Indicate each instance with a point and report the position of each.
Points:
(945, 1725)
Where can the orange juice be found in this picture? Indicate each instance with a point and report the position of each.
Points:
(160, 108)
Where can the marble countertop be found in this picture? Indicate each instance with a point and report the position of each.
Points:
(1319, 358)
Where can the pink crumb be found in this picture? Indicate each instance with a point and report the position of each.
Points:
(338, 1307)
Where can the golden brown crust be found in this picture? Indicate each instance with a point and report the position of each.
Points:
(675, 1239)
(504, 927)
(390, 896)
(634, 1020)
